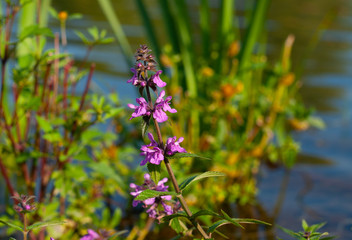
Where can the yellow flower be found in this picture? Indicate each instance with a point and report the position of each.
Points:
(62, 15)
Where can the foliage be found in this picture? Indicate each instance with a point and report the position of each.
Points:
(51, 143)
(236, 105)
(310, 232)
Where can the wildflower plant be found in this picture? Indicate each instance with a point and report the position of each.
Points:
(153, 194)
(24, 206)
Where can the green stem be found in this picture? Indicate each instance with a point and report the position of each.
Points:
(25, 232)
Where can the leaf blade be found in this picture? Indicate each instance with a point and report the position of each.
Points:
(207, 174)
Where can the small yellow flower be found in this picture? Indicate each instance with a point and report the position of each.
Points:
(207, 72)
(62, 16)
(234, 49)
(288, 79)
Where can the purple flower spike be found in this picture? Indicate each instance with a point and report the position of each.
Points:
(92, 235)
(142, 109)
(152, 152)
(173, 146)
(157, 80)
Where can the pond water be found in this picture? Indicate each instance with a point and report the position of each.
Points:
(319, 188)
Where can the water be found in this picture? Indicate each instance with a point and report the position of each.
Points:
(315, 192)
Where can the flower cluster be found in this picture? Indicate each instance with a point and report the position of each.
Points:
(25, 204)
(154, 152)
(145, 63)
(153, 204)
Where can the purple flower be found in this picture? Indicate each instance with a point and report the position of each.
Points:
(161, 106)
(134, 80)
(92, 235)
(157, 80)
(142, 109)
(152, 152)
(25, 203)
(173, 146)
(153, 204)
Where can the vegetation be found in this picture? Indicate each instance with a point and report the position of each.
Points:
(74, 152)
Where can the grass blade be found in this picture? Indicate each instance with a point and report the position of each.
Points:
(252, 34)
(115, 24)
(149, 28)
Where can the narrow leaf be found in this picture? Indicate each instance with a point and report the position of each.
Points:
(189, 180)
(184, 155)
(217, 224)
(205, 212)
(249, 220)
(12, 225)
(44, 224)
(172, 216)
(116, 235)
(146, 194)
(289, 232)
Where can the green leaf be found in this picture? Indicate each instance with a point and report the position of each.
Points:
(217, 224)
(154, 171)
(53, 137)
(315, 227)
(316, 122)
(146, 194)
(184, 155)
(175, 225)
(230, 220)
(44, 124)
(75, 16)
(12, 225)
(305, 225)
(35, 30)
(208, 174)
(107, 40)
(93, 31)
(82, 37)
(172, 216)
(106, 170)
(116, 235)
(205, 212)
(44, 224)
(289, 232)
(249, 220)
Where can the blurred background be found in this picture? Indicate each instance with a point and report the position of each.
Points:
(318, 187)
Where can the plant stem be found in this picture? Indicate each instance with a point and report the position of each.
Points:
(173, 178)
(25, 232)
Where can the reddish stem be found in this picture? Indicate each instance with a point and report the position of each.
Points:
(9, 186)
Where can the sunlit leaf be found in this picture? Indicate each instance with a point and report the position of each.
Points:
(184, 155)
(208, 174)
(146, 194)
(44, 224)
(44, 124)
